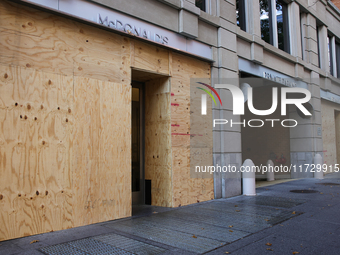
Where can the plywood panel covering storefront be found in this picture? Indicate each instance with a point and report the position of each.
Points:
(65, 123)
(330, 132)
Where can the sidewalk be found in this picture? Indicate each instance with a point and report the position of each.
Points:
(276, 221)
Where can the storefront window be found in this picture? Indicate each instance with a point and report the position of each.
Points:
(201, 4)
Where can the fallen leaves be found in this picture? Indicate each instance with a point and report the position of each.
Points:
(34, 241)
(295, 252)
(269, 249)
(230, 226)
(230, 230)
(268, 244)
(194, 236)
(237, 210)
(294, 212)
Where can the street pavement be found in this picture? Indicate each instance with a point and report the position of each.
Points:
(297, 217)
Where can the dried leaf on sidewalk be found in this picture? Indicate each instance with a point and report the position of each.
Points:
(294, 212)
(34, 241)
(269, 249)
(295, 252)
(194, 236)
(230, 226)
(230, 230)
(268, 244)
(237, 210)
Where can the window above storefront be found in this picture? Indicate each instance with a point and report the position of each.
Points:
(274, 23)
(241, 14)
(201, 4)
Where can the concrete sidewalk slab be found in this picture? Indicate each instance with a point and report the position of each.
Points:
(307, 223)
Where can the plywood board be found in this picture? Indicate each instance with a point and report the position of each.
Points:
(35, 172)
(158, 141)
(187, 190)
(35, 39)
(65, 114)
(64, 163)
(330, 118)
(151, 58)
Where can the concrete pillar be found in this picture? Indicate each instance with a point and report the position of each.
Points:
(306, 137)
(323, 48)
(333, 52)
(274, 23)
(311, 40)
(227, 140)
(303, 27)
(253, 17)
(294, 29)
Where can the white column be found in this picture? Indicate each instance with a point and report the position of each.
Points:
(332, 42)
(318, 174)
(274, 23)
(248, 178)
(270, 171)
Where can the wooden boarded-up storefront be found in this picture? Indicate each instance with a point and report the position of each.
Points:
(65, 123)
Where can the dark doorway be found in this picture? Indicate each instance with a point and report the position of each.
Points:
(137, 143)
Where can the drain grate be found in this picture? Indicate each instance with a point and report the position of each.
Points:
(83, 247)
(329, 184)
(61, 249)
(304, 191)
(270, 201)
(128, 244)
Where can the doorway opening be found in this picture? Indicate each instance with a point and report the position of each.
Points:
(151, 176)
(270, 141)
(137, 143)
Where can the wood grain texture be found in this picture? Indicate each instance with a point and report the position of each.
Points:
(65, 113)
(186, 189)
(151, 58)
(158, 141)
(102, 142)
(65, 123)
(43, 41)
(330, 133)
(34, 152)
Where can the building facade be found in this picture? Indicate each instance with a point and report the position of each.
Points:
(98, 111)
